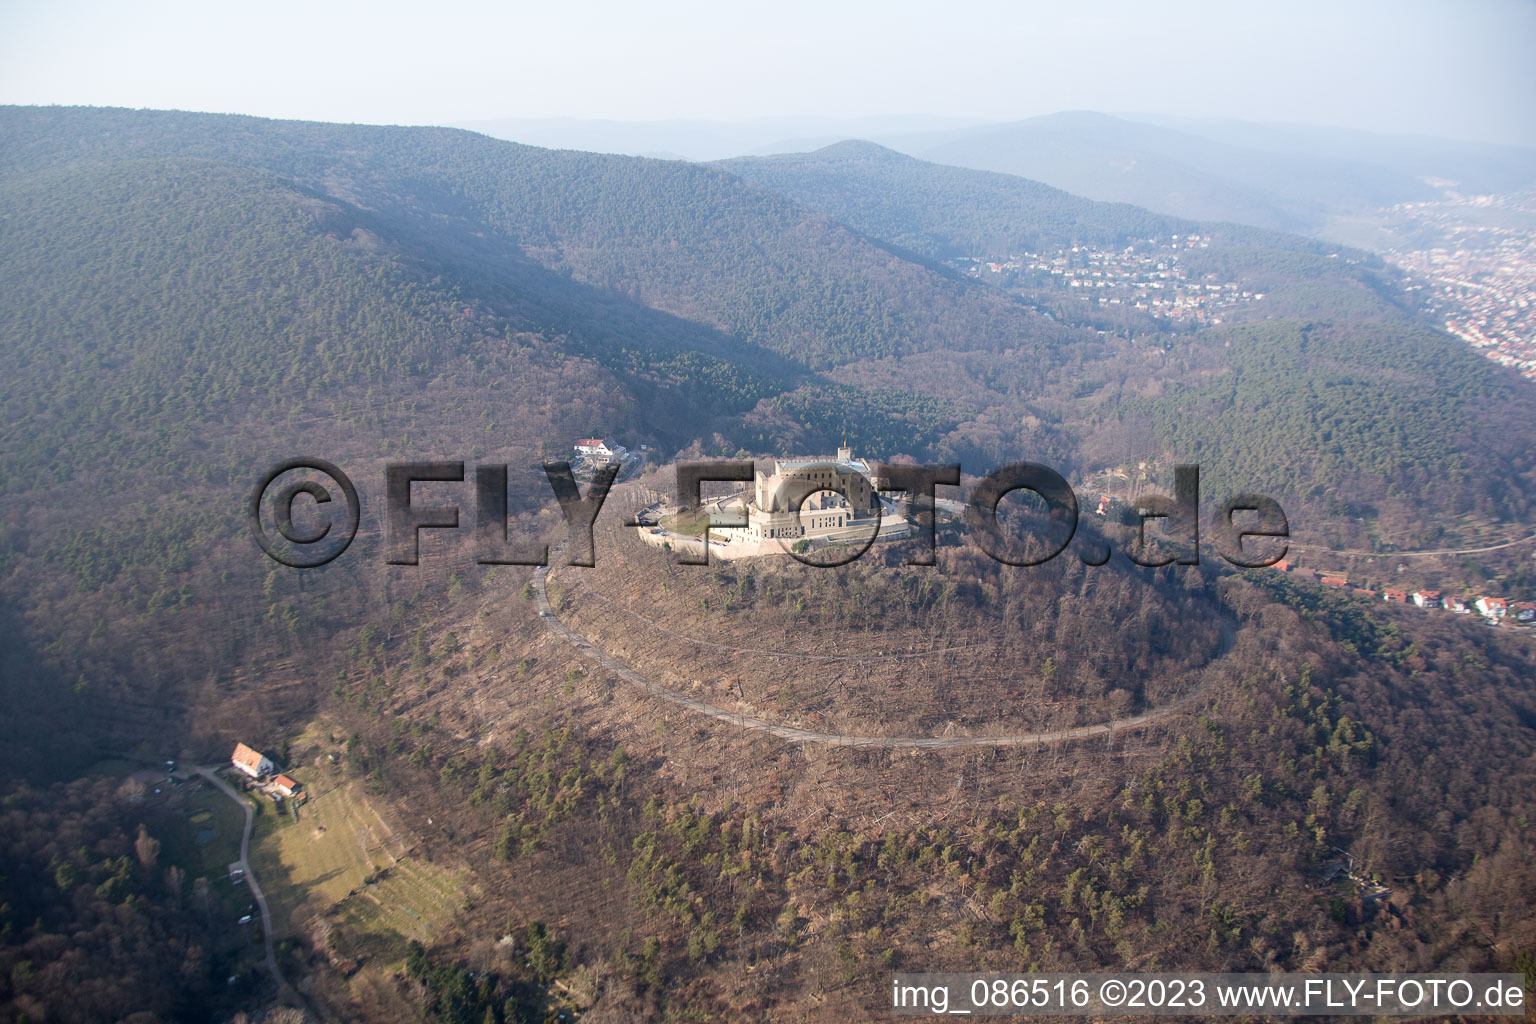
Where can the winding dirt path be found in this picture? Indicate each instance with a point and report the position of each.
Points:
(1418, 554)
(245, 866)
(1028, 739)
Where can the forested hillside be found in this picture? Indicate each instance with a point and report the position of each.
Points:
(1351, 399)
(189, 298)
(677, 285)
(685, 239)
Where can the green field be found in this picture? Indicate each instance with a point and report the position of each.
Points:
(412, 901)
(340, 852)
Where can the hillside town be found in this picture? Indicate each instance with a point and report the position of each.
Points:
(1145, 276)
(1496, 611)
(1473, 268)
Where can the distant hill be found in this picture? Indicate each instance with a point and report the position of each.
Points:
(1285, 177)
(940, 210)
(567, 240)
(1273, 177)
(685, 139)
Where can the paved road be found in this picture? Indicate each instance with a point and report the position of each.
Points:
(250, 876)
(1028, 739)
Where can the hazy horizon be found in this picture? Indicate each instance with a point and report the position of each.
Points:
(1395, 68)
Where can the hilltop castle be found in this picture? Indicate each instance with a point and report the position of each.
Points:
(839, 505)
(846, 514)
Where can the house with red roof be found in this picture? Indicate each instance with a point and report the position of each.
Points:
(599, 448)
(252, 762)
(1492, 607)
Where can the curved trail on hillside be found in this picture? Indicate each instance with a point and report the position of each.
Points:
(1027, 739)
(1418, 554)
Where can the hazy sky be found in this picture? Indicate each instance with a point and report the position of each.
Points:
(1462, 68)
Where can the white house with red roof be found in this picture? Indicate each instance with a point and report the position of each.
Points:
(599, 448)
(252, 762)
(1492, 607)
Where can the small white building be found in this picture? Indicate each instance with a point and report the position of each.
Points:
(252, 762)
